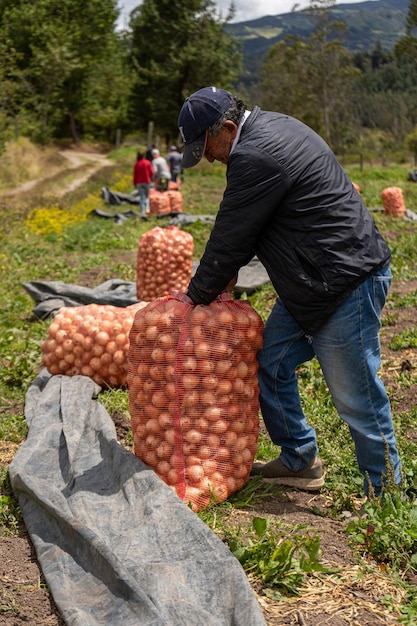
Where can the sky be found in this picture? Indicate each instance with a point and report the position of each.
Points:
(245, 9)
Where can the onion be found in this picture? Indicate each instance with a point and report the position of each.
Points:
(164, 261)
(192, 374)
(195, 473)
(84, 340)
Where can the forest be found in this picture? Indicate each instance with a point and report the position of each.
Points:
(68, 73)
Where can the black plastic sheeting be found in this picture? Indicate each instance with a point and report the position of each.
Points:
(116, 545)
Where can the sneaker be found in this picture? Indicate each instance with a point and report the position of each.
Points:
(310, 478)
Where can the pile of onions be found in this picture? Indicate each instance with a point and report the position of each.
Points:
(91, 340)
(393, 201)
(193, 394)
(163, 202)
(175, 201)
(164, 262)
(159, 203)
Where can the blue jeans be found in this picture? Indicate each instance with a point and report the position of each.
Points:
(143, 189)
(347, 347)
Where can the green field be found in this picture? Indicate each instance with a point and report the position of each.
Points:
(49, 237)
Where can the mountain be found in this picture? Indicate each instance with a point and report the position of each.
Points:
(371, 23)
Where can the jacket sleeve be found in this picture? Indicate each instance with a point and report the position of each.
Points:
(256, 183)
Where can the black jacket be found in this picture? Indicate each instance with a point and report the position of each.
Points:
(289, 201)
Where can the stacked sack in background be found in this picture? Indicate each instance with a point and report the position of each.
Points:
(91, 340)
(393, 201)
(163, 202)
(193, 394)
(164, 262)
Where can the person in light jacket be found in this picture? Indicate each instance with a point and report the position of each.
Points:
(289, 201)
(162, 175)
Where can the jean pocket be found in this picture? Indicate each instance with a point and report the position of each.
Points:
(381, 284)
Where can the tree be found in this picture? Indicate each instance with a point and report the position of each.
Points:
(406, 47)
(412, 144)
(59, 48)
(178, 46)
(312, 79)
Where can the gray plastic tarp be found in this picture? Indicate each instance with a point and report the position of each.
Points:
(51, 296)
(116, 545)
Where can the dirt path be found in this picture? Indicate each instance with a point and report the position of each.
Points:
(86, 162)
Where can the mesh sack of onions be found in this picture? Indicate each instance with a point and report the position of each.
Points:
(91, 340)
(159, 202)
(164, 262)
(175, 201)
(193, 394)
(393, 201)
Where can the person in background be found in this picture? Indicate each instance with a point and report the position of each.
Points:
(174, 159)
(289, 201)
(162, 175)
(142, 179)
(148, 154)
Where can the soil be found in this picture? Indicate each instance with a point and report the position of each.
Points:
(353, 596)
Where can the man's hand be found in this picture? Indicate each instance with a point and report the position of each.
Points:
(231, 284)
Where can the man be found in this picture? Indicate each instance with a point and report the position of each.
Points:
(289, 202)
(162, 175)
(174, 159)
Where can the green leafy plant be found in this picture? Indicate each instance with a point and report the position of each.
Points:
(408, 609)
(410, 299)
(388, 531)
(280, 555)
(406, 339)
(10, 514)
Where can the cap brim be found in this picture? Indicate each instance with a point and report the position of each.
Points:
(193, 152)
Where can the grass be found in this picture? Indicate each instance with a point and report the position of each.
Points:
(19, 166)
(47, 239)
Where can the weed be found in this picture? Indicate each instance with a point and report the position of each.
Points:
(408, 609)
(7, 602)
(410, 299)
(10, 514)
(278, 554)
(406, 339)
(388, 531)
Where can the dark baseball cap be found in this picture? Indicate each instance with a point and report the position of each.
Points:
(200, 111)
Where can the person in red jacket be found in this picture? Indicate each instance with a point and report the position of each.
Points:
(142, 179)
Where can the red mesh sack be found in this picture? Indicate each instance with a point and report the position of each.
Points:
(164, 262)
(194, 395)
(393, 201)
(91, 340)
(175, 201)
(159, 202)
